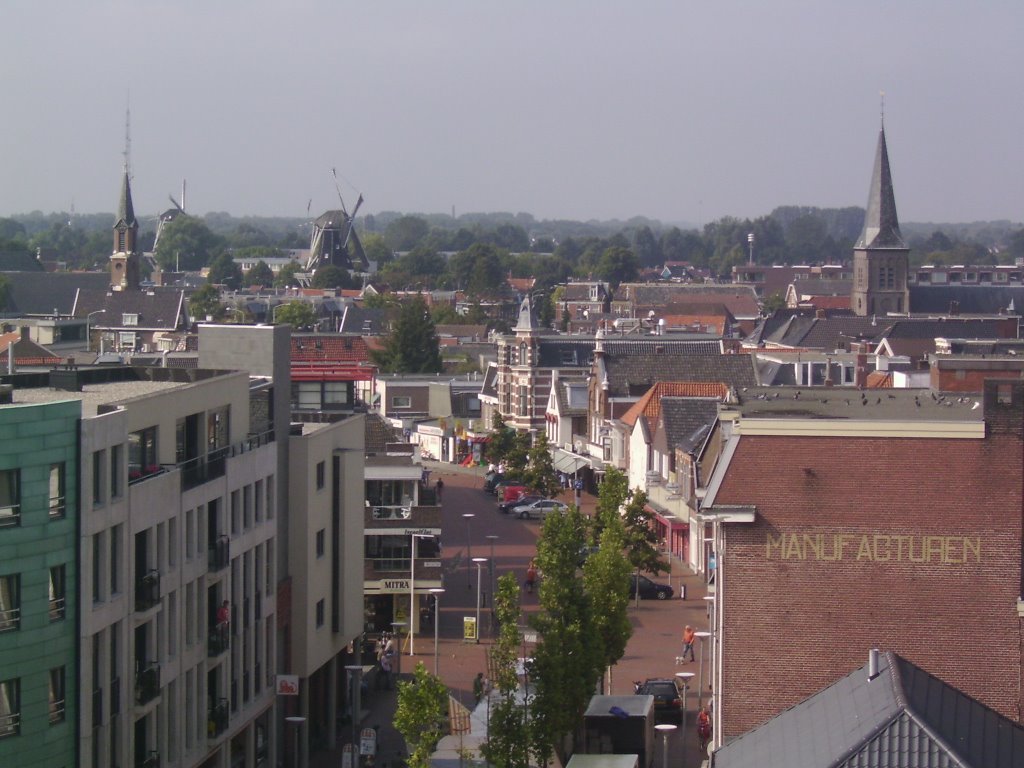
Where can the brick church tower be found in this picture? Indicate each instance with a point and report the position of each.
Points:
(880, 257)
(124, 261)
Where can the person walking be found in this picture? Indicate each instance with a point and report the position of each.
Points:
(688, 637)
(439, 488)
(478, 687)
(531, 576)
(703, 728)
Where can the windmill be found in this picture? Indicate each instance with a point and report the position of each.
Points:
(334, 239)
(170, 214)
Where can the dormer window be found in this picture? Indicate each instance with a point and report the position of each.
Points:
(129, 318)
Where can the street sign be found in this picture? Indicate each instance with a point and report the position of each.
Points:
(368, 742)
(287, 685)
(348, 756)
(469, 628)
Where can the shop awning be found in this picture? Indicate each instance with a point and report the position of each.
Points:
(569, 463)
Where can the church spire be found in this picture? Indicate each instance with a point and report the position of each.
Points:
(125, 208)
(881, 224)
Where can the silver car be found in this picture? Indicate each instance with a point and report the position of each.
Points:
(539, 509)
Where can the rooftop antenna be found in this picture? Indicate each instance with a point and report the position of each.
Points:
(128, 138)
(882, 96)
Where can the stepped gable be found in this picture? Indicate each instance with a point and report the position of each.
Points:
(901, 716)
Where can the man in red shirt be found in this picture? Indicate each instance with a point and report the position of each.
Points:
(688, 638)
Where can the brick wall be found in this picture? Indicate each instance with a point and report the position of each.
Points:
(795, 621)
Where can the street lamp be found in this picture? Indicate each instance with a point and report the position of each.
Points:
(700, 679)
(685, 678)
(355, 697)
(436, 592)
(665, 729)
(468, 516)
(296, 721)
(491, 537)
(412, 589)
(88, 330)
(479, 567)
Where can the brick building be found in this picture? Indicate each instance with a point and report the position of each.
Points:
(842, 522)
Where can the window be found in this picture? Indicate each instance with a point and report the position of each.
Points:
(129, 319)
(115, 558)
(401, 401)
(142, 459)
(321, 475)
(320, 539)
(10, 602)
(116, 457)
(97, 477)
(57, 490)
(97, 567)
(319, 613)
(56, 703)
(57, 603)
(217, 433)
(10, 707)
(10, 497)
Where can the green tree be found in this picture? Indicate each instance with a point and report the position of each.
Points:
(376, 248)
(405, 233)
(299, 315)
(646, 247)
(412, 346)
(224, 271)
(611, 495)
(331, 276)
(606, 581)
(774, 302)
(508, 738)
(566, 660)
(545, 310)
(286, 275)
(420, 715)
(205, 303)
(501, 439)
(518, 456)
(617, 265)
(540, 470)
(260, 274)
(187, 244)
(5, 292)
(641, 539)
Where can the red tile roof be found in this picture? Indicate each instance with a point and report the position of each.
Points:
(649, 405)
(329, 350)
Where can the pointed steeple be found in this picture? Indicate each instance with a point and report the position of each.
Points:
(527, 322)
(881, 225)
(125, 209)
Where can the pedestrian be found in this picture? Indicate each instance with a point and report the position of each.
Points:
(439, 488)
(703, 728)
(531, 576)
(478, 687)
(688, 637)
(223, 617)
(385, 669)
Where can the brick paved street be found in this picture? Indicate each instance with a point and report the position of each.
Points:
(651, 652)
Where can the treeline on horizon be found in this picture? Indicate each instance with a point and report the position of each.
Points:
(416, 250)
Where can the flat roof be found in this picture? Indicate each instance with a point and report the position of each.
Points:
(864, 405)
(93, 396)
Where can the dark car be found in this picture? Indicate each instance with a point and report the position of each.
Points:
(491, 479)
(506, 506)
(649, 589)
(667, 704)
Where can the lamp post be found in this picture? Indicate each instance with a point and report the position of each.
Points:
(88, 330)
(355, 697)
(664, 729)
(468, 517)
(491, 537)
(412, 589)
(479, 568)
(296, 721)
(684, 678)
(436, 592)
(700, 678)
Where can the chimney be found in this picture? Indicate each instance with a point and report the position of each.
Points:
(873, 664)
(24, 333)
(819, 313)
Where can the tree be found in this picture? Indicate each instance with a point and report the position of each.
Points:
(375, 248)
(611, 495)
(641, 539)
(566, 661)
(205, 303)
(617, 265)
(518, 456)
(540, 470)
(606, 581)
(331, 276)
(501, 439)
(298, 314)
(405, 233)
(286, 275)
(420, 714)
(5, 291)
(646, 247)
(224, 271)
(545, 310)
(187, 244)
(508, 741)
(774, 302)
(260, 274)
(412, 346)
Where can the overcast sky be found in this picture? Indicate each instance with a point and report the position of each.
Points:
(580, 109)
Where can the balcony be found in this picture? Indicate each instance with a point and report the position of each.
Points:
(56, 608)
(217, 719)
(10, 725)
(56, 711)
(10, 515)
(147, 591)
(427, 568)
(147, 684)
(10, 619)
(201, 469)
(137, 473)
(219, 554)
(402, 516)
(218, 641)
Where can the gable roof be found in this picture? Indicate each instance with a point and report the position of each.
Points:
(649, 405)
(903, 716)
(19, 261)
(685, 418)
(968, 299)
(40, 293)
(364, 320)
(328, 349)
(157, 308)
(740, 300)
(632, 375)
(26, 351)
(378, 434)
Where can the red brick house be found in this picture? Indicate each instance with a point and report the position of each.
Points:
(845, 521)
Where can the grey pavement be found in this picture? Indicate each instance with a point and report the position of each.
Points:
(651, 651)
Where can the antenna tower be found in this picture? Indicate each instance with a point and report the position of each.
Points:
(128, 141)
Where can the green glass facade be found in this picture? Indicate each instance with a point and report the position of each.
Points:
(39, 521)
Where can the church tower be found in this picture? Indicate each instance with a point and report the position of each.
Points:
(124, 261)
(880, 257)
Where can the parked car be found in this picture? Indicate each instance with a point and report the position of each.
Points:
(585, 552)
(667, 704)
(537, 509)
(507, 506)
(649, 589)
(498, 489)
(491, 479)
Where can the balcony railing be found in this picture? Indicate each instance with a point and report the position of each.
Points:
(213, 465)
(137, 473)
(147, 684)
(147, 591)
(396, 512)
(56, 608)
(10, 724)
(10, 515)
(218, 641)
(217, 719)
(10, 619)
(56, 711)
(426, 567)
(219, 554)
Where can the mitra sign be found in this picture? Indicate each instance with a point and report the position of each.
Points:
(287, 685)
